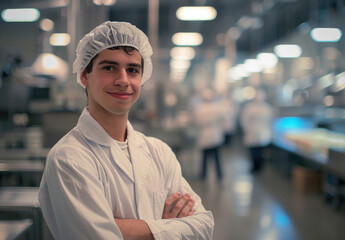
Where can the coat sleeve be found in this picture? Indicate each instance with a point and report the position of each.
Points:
(198, 226)
(72, 198)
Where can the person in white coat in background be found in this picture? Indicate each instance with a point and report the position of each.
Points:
(230, 114)
(208, 117)
(256, 122)
(104, 180)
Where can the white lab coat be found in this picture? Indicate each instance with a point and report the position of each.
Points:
(229, 110)
(208, 117)
(256, 121)
(88, 181)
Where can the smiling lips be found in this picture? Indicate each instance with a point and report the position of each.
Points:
(120, 95)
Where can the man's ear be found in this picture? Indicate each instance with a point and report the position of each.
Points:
(83, 77)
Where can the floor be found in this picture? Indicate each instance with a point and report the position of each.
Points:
(264, 206)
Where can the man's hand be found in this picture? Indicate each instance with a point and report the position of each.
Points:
(178, 206)
(132, 229)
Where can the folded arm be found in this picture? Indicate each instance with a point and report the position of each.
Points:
(176, 206)
(133, 229)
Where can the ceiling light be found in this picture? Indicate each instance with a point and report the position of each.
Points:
(49, 64)
(253, 65)
(326, 34)
(267, 60)
(187, 39)
(237, 73)
(196, 13)
(49, 61)
(288, 51)
(59, 39)
(20, 15)
(182, 53)
(46, 24)
(243, 70)
(234, 74)
(104, 2)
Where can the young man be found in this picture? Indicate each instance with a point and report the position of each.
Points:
(104, 180)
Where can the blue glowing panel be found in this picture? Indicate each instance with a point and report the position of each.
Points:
(287, 123)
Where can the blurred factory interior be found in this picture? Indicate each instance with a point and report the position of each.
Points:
(293, 50)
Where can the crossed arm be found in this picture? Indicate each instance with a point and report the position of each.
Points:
(176, 206)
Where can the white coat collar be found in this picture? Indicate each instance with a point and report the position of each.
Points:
(93, 131)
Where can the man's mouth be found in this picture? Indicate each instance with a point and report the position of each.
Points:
(120, 95)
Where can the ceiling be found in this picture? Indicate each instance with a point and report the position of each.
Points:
(278, 18)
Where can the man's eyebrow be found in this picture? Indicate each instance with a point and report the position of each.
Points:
(108, 62)
(138, 65)
(116, 63)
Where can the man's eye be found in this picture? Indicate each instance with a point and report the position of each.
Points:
(108, 68)
(133, 70)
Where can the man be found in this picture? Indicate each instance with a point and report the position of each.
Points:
(209, 119)
(256, 121)
(104, 180)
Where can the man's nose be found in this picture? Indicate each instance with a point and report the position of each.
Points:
(121, 78)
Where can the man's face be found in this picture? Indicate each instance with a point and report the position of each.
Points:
(114, 83)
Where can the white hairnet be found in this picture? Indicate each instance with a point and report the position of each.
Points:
(112, 34)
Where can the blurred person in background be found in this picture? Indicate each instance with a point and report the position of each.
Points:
(104, 180)
(256, 122)
(230, 113)
(208, 117)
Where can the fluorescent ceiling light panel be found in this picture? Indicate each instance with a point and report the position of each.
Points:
(104, 2)
(238, 72)
(326, 34)
(20, 15)
(187, 39)
(196, 13)
(59, 39)
(253, 65)
(288, 51)
(267, 60)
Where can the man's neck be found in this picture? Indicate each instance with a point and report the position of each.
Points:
(114, 125)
